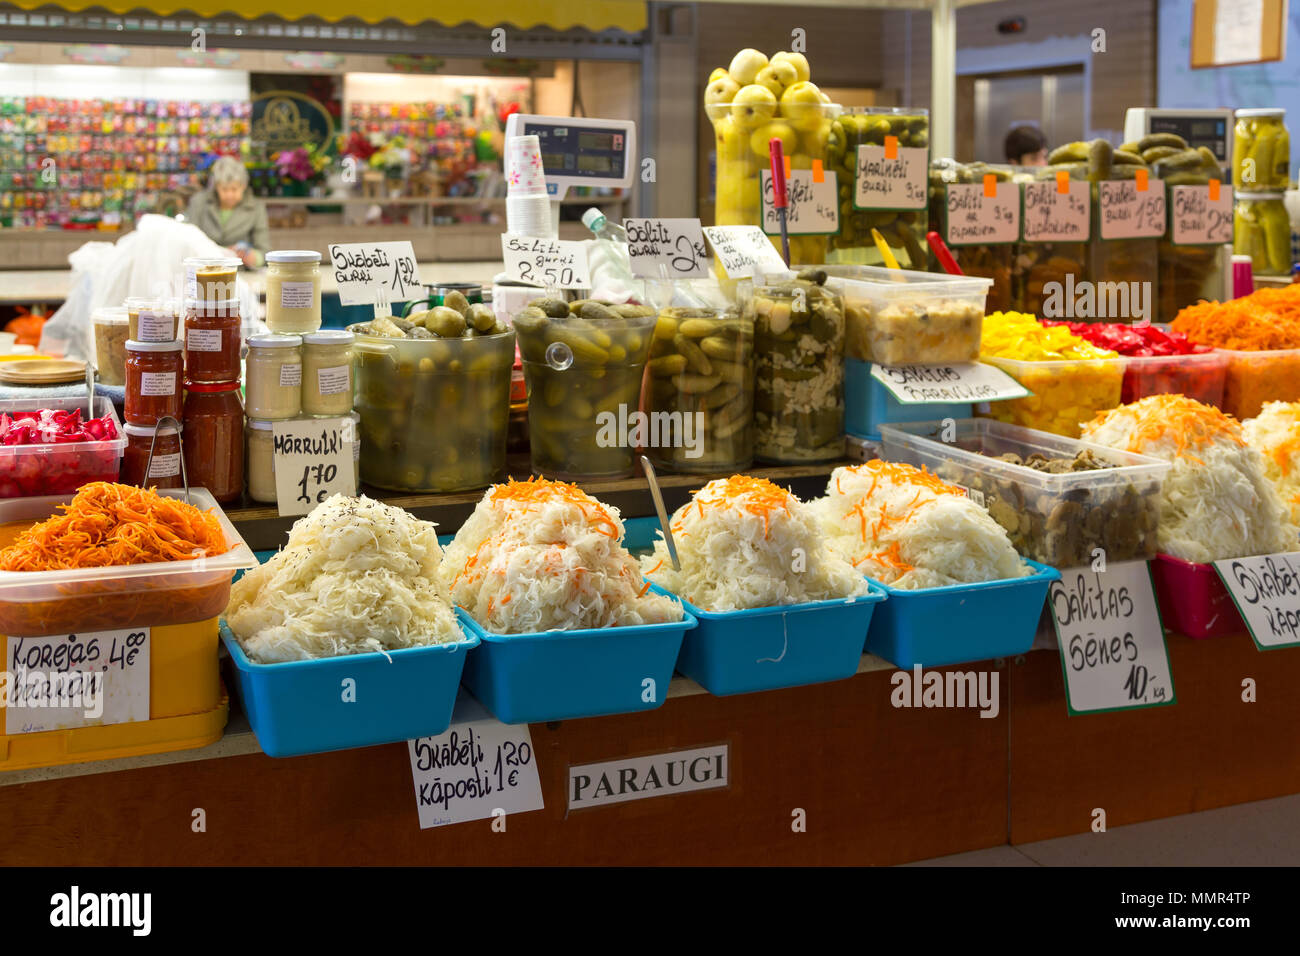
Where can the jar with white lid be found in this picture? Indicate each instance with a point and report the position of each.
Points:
(293, 290)
(327, 372)
(261, 460)
(273, 377)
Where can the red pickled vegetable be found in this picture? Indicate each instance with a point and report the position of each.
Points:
(55, 472)
(1134, 340)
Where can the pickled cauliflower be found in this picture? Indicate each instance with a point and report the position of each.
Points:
(1216, 502)
(543, 555)
(747, 543)
(904, 526)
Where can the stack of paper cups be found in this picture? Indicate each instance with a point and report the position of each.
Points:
(528, 207)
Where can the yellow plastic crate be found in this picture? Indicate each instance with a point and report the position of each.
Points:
(188, 708)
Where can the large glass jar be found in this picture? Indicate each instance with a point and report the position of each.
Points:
(212, 341)
(273, 377)
(901, 219)
(165, 470)
(1261, 150)
(702, 385)
(433, 412)
(584, 384)
(799, 377)
(989, 261)
(1186, 273)
(153, 381)
(293, 291)
(1261, 229)
(327, 372)
(214, 438)
(112, 328)
(741, 136)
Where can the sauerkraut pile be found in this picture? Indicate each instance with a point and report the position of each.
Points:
(746, 543)
(356, 576)
(542, 555)
(1216, 501)
(904, 526)
(1275, 434)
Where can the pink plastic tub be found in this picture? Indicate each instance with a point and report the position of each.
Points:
(1193, 601)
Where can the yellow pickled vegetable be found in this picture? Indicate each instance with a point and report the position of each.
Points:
(1020, 336)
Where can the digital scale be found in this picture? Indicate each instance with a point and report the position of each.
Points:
(1209, 128)
(577, 151)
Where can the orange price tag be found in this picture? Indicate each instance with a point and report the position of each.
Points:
(1062, 181)
(891, 147)
(1141, 178)
(819, 173)
(990, 185)
(1214, 190)
(787, 167)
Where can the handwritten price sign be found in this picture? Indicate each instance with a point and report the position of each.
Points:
(1113, 648)
(973, 217)
(667, 248)
(744, 250)
(1266, 590)
(556, 263)
(312, 459)
(76, 680)
(814, 207)
(964, 382)
(1054, 216)
(898, 183)
(1126, 212)
(363, 268)
(1200, 220)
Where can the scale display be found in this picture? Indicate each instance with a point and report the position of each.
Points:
(577, 151)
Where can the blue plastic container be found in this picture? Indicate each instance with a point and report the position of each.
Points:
(868, 404)
(559, 675)
(297, 707)
(961, 622)
(737, 652)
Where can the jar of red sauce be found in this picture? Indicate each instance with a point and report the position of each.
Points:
(165, 472)
(214, 438)
(212, 341)
(153, 381)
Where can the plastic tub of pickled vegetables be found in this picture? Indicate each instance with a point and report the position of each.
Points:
(50, 446)
(1066, 392)
(898, 317)
(1254, 378)
(77, 600)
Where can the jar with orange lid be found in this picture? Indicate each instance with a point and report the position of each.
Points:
(153, 381)
(214, 438)
(165, 469)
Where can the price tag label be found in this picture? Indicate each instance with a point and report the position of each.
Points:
(675, 244)
(1266, 590)
(556, 263)
(743, 250)
(1050, 215)
(813, 207)
(312, 459)
(474, 770)
(363, 268)
(1126, 212)
(900, 182)
(75, 680)
(1113, 648)
(976, 218)
(964, 382)
(1199, 219)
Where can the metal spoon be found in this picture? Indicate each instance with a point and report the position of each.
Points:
(658, 497)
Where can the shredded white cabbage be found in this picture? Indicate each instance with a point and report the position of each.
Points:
(1275, 434)
(903, 526)
(1216, 502)
(356, 576)
(747, 543)
(540, 555)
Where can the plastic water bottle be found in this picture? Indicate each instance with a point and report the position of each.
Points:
(611, 267)
(602, 228)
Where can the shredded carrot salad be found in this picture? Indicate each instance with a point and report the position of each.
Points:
(1189, 423)
(755, 496)
(1266, 319)
(108, 525)
(534, 492)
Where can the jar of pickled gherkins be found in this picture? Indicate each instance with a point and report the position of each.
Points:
(702, 385)
(433, 411)
(584, 375)
(799, 369)
(741, 135)
(989, 260)
(1261, 229)
(1186, 273)
(1261, 150)
(883, 187)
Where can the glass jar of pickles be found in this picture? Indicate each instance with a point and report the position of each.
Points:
(1261, 229)
(583, 362)
(884, 187)
(1261, 150)
(987, 260)
(701, 390)
(799, 368)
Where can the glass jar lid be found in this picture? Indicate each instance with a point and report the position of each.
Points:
(293, 255)
(329, 337)
(273, 340)
(146, 431)
(211, 386)
(1244, 196)
(260, 424)
(1260, 113)
(133, 346)
(111, 315)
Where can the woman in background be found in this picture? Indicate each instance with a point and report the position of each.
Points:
(230, 215)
